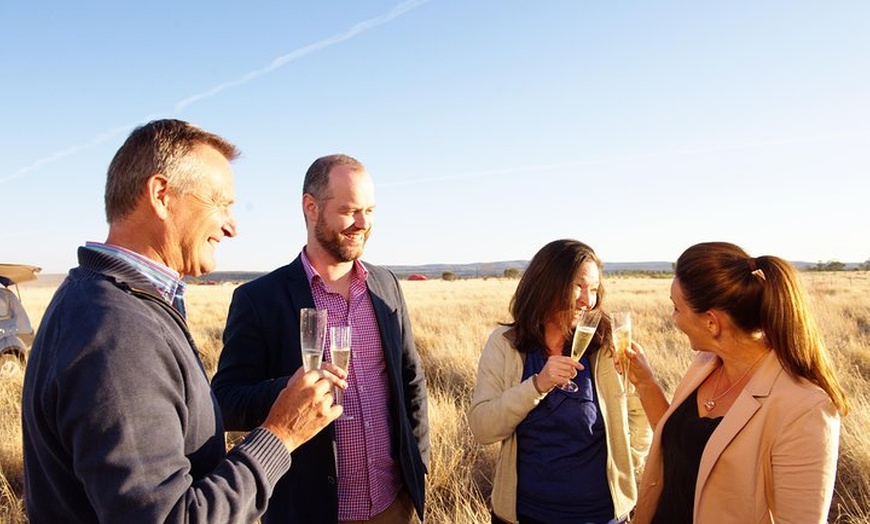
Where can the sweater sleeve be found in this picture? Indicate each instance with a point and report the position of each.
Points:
(499, 403)
(136, 415)
(639, 432)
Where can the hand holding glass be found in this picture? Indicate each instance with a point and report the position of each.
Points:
(621, 329)
(339, 349)
(312, 336)
(583, 333)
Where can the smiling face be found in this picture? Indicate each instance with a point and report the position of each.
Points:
(586, 289)
(583, 297)
(343, 221)
(202, 216)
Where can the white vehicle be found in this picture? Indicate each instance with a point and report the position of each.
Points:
(16, 333)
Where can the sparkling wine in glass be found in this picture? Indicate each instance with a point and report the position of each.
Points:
(583, 333)
(312, 336)
(621, 329)
(339, 349)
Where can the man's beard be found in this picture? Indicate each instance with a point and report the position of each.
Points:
(332, 241)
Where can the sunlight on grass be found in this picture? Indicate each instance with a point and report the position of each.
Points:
(451, 322)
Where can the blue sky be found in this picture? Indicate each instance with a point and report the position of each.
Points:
(490, 126)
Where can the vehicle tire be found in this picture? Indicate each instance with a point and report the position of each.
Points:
(11, 365)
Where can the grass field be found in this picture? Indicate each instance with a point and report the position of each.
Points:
(451, 321)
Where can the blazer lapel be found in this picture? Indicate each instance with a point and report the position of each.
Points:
(385, 304)
(378, 287)
(298, 287)
(382, 301)
(700, 369)
(741, 412)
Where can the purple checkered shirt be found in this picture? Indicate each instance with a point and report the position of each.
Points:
(368, 477)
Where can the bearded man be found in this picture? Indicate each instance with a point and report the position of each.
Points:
(370, 465)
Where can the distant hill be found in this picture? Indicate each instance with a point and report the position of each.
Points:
(497, 269)
(473, 270)
(220, 277)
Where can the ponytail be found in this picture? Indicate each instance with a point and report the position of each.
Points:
(792, 331)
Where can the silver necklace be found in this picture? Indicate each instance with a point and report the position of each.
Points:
(710, 403)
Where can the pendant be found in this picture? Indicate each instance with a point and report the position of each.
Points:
(709, 404)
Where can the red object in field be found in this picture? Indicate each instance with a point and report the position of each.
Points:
(417, 277)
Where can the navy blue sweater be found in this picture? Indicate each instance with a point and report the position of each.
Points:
(120, 424)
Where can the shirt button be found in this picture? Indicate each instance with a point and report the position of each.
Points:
(368, 424)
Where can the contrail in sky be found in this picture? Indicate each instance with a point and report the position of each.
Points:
(280, 61)
(624, 159)
(277, 63)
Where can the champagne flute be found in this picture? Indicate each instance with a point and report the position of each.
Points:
(583, 333)
(339, 350)
(621, 330)
(312, 336)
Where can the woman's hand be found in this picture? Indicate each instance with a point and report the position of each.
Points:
(557, 371)
(651, 395)
(640, 372)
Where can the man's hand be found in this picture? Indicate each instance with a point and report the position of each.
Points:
(305, 405)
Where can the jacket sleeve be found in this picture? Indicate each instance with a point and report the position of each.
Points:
(639, 432)
(414, 382)
(244, 383)
(497, 404)
(804, 465)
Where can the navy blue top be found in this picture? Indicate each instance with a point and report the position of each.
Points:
(562, 454)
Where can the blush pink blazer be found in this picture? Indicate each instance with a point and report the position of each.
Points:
(773, 457)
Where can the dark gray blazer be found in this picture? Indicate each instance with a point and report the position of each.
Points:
(261, 351)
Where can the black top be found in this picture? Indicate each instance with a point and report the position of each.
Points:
(684, 438)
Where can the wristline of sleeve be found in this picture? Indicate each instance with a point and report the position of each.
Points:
(267, 450)
(538, 389)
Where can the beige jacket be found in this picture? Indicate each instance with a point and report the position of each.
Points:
(773, 457)
(501, 401)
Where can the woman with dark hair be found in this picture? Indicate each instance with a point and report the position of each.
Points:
(565, 457)
(752, 432)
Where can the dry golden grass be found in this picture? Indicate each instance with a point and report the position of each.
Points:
(11, 467)
(451, 321)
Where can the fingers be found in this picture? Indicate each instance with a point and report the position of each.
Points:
(616, 363)
(641, 371)
(333, 374)
(328, 375)
(558, 370)
(334, 370)
(636, 354)
(305, 406)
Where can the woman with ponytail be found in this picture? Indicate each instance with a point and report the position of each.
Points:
(752, 431)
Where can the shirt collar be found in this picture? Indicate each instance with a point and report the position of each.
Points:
(359, 270)
(167, 281)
